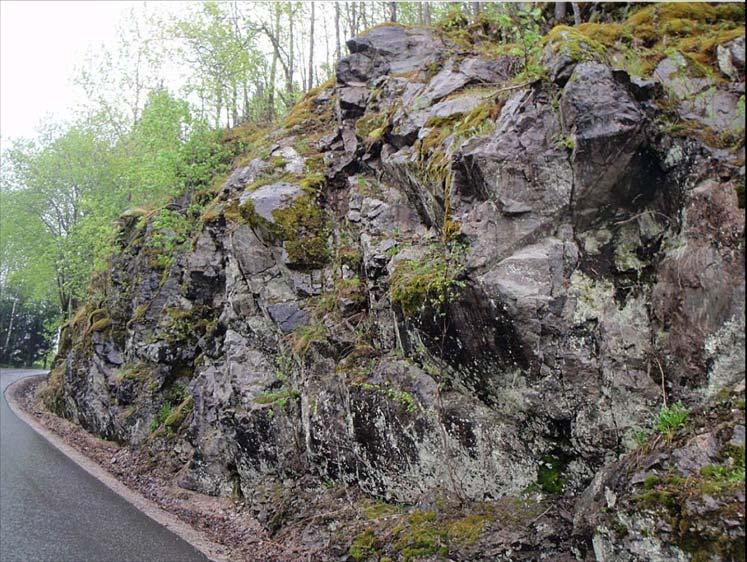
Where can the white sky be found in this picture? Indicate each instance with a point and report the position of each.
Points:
(41, 42)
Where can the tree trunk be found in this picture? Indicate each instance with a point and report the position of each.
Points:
(245, 93)
(560, 9)
(427, 13)
(353, 19)
(218, 108)
(291, 55)
(310, 76)
(325, 33)
(10, 326)
(476, 9)
(234, 103)
(393, 11)
(363, 15)
(273, 67)
(338, 51)
(576, 13)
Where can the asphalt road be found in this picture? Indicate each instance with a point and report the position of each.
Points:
(52, 510)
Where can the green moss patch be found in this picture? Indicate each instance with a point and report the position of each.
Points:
(402, 397)
(279, 397)
(363, 546)
(429, 281)
(578, 46)
(422, 536)
(170, 234)
(177, 415)
(371, 127)
(304, 228)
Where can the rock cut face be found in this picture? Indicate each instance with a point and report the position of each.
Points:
(482, 282)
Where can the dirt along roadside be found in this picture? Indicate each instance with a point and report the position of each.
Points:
(218, 527)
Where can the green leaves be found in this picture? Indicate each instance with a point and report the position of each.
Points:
(525, 28)
(63, 191)
(430, 281)
(671, 418)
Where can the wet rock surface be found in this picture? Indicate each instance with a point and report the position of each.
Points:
(482, 298)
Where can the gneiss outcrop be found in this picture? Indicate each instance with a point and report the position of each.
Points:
(448, 281)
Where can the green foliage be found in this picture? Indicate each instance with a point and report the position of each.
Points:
(33, 322)
(136, 372)
(305, 336)
(467, 530)
(403, 397)
(58, 196)
(572, 42)
(371, 127)
(550, 474)
(160, 417)
(423, 536)
(731, 471)
(170, 232)
(640, 437)
(177, 415)
(671, 418)
(63, 192)
(304, 228)
(363, 546)
(221, 45)
(428, 281)
(280, 397)
(378, 509)
(525, 28)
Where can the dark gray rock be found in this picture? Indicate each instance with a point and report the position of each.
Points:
(269, 198)
(352, 100)
(356, 68)
(246, 175)
(396, 49)
(480, 70)
(288, 316)
(607, 128)
(444, 83)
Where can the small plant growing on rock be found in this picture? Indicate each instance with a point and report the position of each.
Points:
(428, 281)
(170, 235)
(671, 418)
(161, 417)
(363, 546)
(525, 27)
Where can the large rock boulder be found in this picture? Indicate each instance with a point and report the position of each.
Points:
(444, 297)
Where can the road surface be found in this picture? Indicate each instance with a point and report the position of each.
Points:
(51, 510)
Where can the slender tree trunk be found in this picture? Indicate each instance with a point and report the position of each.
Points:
(10, 327)
(393, 11)
(362, 15)
(353, 19)
(560, 10)
(273, 67)
(245, 92)
(476, 9)
(218, 108)
(326, 40)
(427, 13)
(338, 51)
(291, 54)
(576, 13)
(234, 103)
(311, 49)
